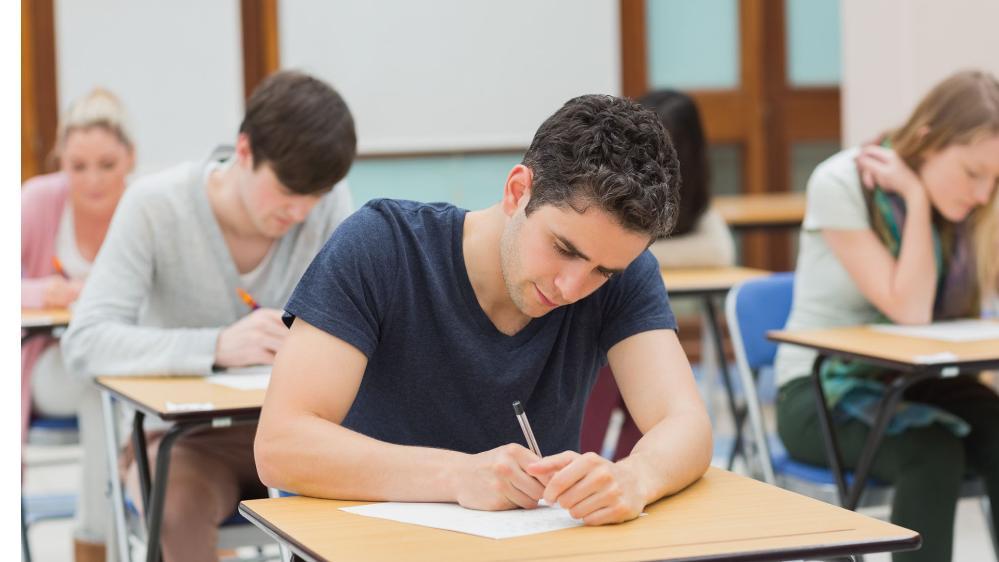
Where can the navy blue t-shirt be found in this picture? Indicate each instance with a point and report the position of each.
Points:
(392, 282)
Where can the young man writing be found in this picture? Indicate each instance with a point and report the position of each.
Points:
(418, 326)
(162, 297)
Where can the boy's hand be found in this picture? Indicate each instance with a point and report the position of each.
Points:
(497, 480)
(591, 487)
(61, 292)
(251, 340)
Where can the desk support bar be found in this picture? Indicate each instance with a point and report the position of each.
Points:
(157, 499)
(828, 435)
(157, 496)
(849, 495)
(738, 415)
(141, 458)
(117, 496)
(885, 411)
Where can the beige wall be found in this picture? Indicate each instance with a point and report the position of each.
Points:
(894, 51)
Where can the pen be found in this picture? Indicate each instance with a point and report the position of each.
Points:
(247, 299)
(58, 267)
(525, 425)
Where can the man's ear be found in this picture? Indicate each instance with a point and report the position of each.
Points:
(244, 153)
(517, 190)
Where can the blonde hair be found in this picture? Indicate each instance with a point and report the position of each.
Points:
(99, 108)
(961, 110)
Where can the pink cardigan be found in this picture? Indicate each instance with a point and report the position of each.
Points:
(42, 202)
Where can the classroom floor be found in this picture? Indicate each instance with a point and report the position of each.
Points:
(53, 470)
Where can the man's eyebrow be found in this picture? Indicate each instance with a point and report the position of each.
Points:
(570, 248)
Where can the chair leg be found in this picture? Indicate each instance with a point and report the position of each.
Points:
(25, 550)
(987, 513)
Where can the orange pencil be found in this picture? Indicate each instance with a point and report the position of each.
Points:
(247, 299)
(58, 267)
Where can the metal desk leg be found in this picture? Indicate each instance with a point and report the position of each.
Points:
(141, 456)
(828, 436)
(737, 415)
(25, 549)
(117, 493)
(885, 410)
(849, 496)
(157, 496)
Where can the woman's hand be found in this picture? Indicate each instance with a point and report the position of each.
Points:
(880, 166)
(61, 292)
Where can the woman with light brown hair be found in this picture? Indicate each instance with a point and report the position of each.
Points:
(904, 231)
(64, 219)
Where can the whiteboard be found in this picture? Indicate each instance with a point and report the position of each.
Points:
(177, 67)
(453, 75)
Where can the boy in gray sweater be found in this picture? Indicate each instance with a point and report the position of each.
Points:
(162, 296)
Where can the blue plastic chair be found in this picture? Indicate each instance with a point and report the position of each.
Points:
(751, 309)
(44, 507)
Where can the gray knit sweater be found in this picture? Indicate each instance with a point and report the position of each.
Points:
(164, 283)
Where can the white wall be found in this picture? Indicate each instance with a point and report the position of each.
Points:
(894, 51)
(176, 65)
(453, 74)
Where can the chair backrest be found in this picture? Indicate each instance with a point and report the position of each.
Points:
(751, 309)
(761, 305)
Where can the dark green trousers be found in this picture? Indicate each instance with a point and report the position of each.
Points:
(925, 465)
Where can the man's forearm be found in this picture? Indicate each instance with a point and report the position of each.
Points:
(671, 455)
(316, 457)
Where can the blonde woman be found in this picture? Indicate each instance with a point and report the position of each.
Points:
(904, 231)
(64, 218)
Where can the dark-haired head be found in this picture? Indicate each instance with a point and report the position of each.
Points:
(679, 115)
(302, 128)
(608, 152)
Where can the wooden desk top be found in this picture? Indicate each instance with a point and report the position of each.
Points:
(721, 517)
(44, 317)
(151, 395)
(891, 350)
(761, 210)
(701, 280)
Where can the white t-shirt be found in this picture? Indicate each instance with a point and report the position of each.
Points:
(710, 244)
(824, 294)
(68, 252)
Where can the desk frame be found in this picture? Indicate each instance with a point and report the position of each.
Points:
(154, 489)
(831, 545)
(707, 293)
(849, 496)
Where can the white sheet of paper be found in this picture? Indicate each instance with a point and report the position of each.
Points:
(243, 378)
(956, 331)
(453, 517)
(188, 407)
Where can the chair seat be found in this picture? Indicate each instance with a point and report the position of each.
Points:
(784, 464)
(53, 431)
(41, 507)
(70, 423)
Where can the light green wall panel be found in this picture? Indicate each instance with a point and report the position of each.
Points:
(472, 181)
(693, 44)
(813, 42)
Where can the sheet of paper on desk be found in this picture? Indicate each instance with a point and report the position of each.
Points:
(956, 331)
(243, 378)
(453, 517)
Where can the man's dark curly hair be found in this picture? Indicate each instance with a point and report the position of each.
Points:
(303, 129)
(609, 152)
